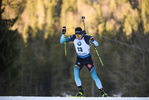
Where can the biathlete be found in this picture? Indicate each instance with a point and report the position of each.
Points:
(82, 46)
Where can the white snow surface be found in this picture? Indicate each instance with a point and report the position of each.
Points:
(70, 98)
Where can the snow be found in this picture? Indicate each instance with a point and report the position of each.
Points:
(70, 98)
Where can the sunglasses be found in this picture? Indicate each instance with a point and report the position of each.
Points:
(78, 35)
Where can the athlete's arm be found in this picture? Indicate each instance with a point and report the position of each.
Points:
(93, 41)
(70, 38)
(62, 39)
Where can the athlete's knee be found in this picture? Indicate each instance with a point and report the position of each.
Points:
(92, 69)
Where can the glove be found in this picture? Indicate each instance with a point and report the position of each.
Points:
(84, 32)
(64, 30)
(92, 39)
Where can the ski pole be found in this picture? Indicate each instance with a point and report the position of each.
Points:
(83, 17)
(66, 60)
(104, 69)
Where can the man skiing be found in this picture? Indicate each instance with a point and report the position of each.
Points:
(82, 46)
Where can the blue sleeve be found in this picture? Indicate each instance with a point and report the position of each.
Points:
(70, 38)
(94, 42)
(62, 39)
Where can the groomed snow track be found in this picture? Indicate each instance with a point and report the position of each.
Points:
(70, 98)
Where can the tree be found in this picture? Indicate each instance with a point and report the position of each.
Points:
(9, 54)
(145, 15)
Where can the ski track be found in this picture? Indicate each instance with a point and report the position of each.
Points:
(70, 98)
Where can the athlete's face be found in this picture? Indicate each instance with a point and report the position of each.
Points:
(79, 36)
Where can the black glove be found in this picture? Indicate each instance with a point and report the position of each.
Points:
(64, 30)
(84, 32)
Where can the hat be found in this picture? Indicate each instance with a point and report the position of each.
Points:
(78, 30)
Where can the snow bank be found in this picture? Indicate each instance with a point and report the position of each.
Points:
(70, 98)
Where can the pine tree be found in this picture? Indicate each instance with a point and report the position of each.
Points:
(145, 15)
(9, 54)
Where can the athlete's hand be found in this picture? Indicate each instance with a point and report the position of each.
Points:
(64, 30)
(92, 39)
(84, 32)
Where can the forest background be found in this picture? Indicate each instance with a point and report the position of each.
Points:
(32, 60)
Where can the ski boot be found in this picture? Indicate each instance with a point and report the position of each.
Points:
(80, 94)
(103, 93)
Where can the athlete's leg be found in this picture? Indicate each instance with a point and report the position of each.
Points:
(78, 66)
(76, 76)
(98, 82)
(78, 81)
(95, 78)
